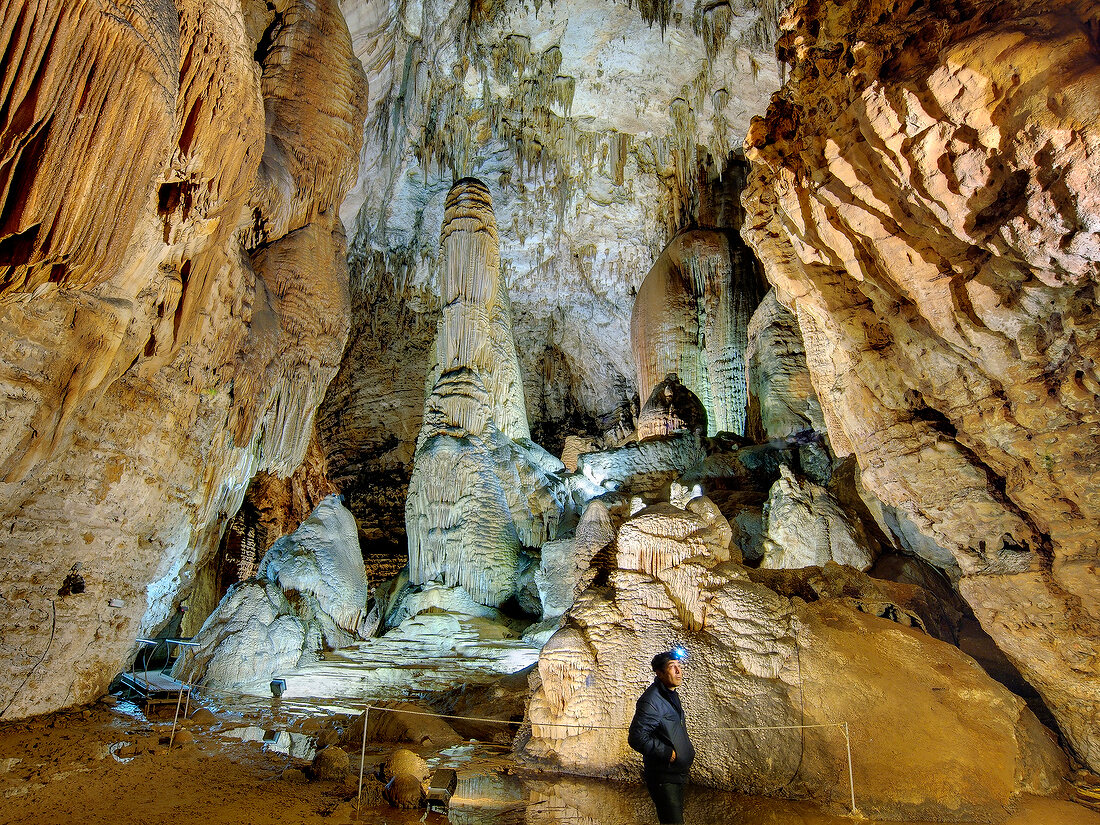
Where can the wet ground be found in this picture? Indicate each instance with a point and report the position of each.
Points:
(113, 765)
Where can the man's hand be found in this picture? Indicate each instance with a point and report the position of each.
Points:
(673, 759)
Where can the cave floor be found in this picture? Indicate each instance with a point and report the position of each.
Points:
(112, 765)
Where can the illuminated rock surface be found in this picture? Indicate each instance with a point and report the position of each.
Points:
(671, 408)
(806, 526)
(174, 302)
(310, 593)
(174, 298)
(921, 196)
(481, 489)
(583, 122)
(780, 389)
(691, 318)
(966, 745)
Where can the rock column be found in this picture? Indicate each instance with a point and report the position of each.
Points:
(480, 489)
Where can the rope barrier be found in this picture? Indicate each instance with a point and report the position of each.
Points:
(842, 725)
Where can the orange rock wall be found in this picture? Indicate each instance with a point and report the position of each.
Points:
(924, 197)
(173, 302)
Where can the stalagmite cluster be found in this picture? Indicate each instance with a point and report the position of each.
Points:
(565, 110)
(481, 490)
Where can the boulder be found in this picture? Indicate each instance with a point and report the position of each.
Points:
(958, 745)
(405, 762)
(806, 526)
(253, 635)
(322, 564)
(331, 764)
(404, 791)
(387, 723)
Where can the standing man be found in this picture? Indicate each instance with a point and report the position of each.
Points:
(659, 733)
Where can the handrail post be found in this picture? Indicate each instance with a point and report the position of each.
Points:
(851, 776)
(362, 758)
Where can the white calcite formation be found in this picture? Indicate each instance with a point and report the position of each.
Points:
(640, 466)
(252, 636)
(322, 564)
(583, 121)
(781, 394)
(933, 737)
(662, 536)
(806, 526)
(310, 593)
(565, 565)
(691, 318)
(481, 490)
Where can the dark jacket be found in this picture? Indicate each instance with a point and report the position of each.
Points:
(659, 726)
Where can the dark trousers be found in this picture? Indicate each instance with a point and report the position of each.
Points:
(669, 799)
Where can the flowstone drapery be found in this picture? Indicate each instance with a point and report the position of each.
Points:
(691, 317)
(481, 490)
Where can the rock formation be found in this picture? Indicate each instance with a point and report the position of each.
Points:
(309, 594)
(591, 177)
(481, 490)
(782, 400)
(691, 318)
(174, 302)
(672, 408)
(922, 199)
(958, 745)
(806, 526)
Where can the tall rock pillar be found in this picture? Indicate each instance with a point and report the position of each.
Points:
(480, 489)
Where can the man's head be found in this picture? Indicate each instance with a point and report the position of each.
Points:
(668, 670)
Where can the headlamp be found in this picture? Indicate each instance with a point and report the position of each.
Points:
(679, 653)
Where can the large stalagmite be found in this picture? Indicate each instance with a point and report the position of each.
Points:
(924, 196)
(481, 490)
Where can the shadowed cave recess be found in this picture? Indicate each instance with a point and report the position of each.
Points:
(456, 358)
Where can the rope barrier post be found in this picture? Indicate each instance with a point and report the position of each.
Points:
(851, 776)
(362, 758)
(175, 720)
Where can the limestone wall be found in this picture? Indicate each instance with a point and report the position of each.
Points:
(923, 198)
(174, 302)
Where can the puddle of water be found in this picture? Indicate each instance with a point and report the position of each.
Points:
(547, 799)
(115, 748)
(296, 745)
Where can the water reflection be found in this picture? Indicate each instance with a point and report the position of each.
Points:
(296, 745)
(544, 799)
